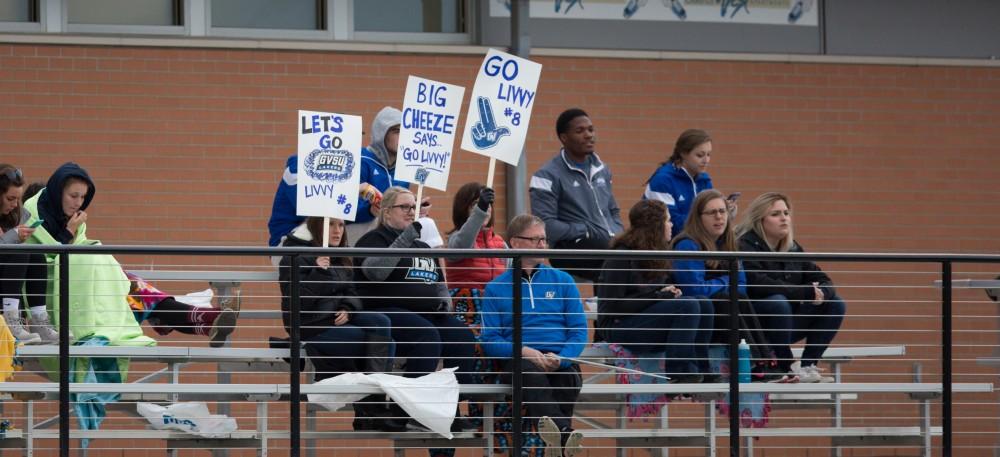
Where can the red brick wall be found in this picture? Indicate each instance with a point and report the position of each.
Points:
(187, 146)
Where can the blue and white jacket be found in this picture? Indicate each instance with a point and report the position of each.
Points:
(673, 185)
(573, 204)
(374, 172)
(553, 317)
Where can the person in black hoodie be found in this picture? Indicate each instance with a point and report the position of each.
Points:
(411, 291)
(797, 296)
(340, 336)
(639, 306)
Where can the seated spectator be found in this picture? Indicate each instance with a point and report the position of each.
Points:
(572, 194)
(100, 310)
(677, 181)
(554, 333)
(641, 308)
(341, 337)
(796, 299)
(708, 229)
(412, 293)
(21, 271)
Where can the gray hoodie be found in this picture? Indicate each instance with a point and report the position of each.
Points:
(385, 119)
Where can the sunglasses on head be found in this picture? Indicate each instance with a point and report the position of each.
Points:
(13, 174)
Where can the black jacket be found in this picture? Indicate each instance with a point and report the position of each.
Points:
(791, 279)
(321, 294)
(623, 289)
(413, 283)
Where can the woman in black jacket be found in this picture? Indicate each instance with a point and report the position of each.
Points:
(797, 296)
(640, 308)
(340, 336)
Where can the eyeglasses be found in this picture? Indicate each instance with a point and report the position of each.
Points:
(715, 212)
(13, 175)
(537, 240)
(406, 208)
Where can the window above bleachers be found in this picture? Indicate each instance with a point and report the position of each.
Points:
(411, 21)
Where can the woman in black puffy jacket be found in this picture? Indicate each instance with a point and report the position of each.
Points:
(340, 335)
(798, 298)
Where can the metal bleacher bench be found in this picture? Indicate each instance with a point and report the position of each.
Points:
(273, 360)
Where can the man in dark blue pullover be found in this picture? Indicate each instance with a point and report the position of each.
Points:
(554, 333)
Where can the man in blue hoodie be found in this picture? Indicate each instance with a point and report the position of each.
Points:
(378, 166)
(554, 333)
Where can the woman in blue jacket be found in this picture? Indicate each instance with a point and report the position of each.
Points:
(708, 229)
(678, 180)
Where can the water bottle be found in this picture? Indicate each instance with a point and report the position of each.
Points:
(744, 356)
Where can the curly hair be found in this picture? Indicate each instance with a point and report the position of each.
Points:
(647, 232)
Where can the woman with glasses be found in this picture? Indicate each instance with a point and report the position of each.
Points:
(21, 271)
(797, 296)
(411, 292)
(641, 308)
(708, 229)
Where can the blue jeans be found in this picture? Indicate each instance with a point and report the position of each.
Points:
(340, 349)
(680, 328)
(785, 323)
(423, 339)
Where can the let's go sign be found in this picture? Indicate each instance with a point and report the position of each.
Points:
(496, 124)
(329, 165)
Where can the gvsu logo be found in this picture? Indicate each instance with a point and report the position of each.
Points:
(422, 269)
(168, 419)
(330, 165)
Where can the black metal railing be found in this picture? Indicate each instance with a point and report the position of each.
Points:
(945, 260)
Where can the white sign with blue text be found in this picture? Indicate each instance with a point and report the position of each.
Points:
(329, 165)
(496, 124)
(427, 134)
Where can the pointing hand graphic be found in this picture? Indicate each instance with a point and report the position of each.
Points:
(485, 133)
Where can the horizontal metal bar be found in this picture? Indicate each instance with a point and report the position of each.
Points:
(505, 253)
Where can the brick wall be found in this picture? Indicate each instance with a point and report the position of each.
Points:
(187, 145)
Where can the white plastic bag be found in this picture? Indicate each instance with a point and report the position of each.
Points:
(199, 299)
(189, 417)
(430, 399)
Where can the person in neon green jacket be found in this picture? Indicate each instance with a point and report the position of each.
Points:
(98, 286)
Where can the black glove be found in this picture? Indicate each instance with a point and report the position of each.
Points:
(486, 198)
(416, 227)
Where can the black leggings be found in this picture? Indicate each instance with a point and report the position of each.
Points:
(171, 314)
(27, 270)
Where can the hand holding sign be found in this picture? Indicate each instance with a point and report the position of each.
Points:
(485, 133)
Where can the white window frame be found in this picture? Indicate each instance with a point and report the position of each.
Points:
(53, 18)
(24, 27)
(417, 37)
(175, 30)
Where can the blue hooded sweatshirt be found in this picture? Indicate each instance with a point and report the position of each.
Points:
(553, 317)
(673, 185)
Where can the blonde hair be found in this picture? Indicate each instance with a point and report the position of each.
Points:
(754, 220)
(389, 198)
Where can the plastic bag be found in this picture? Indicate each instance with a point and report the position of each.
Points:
(430, 399)
(188, 417)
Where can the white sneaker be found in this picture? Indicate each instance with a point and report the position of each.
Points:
(810, 373)
(21, 334)
(550, 434)
(44, 329)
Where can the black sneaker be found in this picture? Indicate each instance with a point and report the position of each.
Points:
(768, 372)
(687, 378)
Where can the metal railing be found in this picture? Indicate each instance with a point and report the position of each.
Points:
(946, 261)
